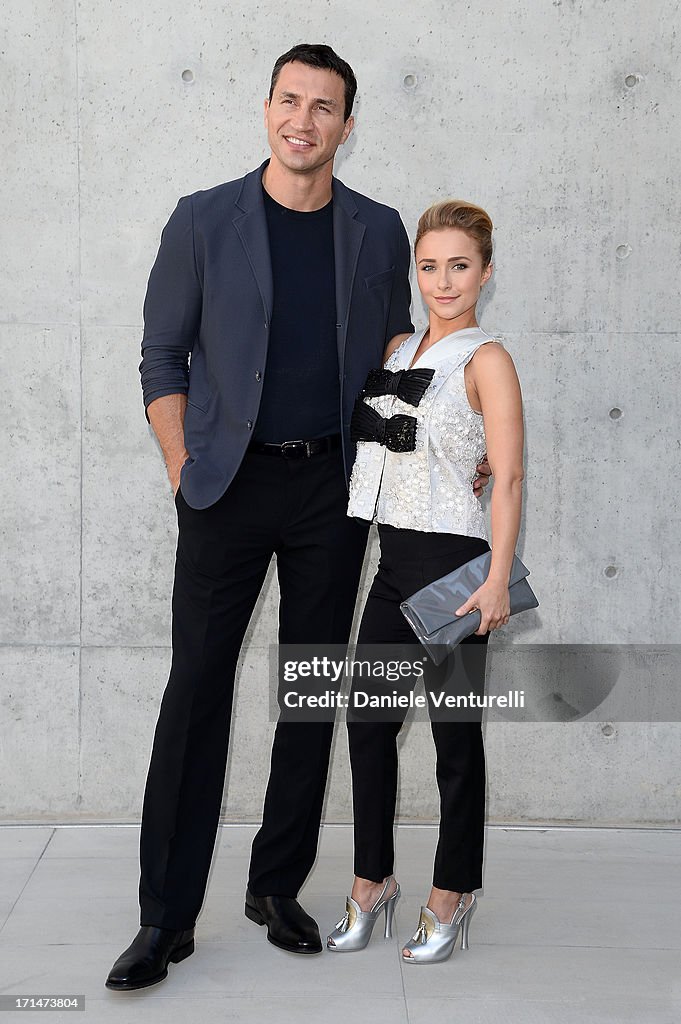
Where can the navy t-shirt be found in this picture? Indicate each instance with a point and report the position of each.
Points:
(301, 389)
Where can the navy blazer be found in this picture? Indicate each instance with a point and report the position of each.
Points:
(208, 309)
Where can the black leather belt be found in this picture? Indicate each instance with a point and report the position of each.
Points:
(297, 449)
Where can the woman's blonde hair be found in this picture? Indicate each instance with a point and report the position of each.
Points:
(457, 213)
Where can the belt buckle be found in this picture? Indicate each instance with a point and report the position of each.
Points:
(295, 449)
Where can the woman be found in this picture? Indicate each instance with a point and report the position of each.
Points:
(420, 435)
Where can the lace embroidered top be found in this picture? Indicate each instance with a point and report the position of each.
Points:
(431, 487)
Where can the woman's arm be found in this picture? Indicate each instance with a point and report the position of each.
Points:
(496, 386)
(393, 344)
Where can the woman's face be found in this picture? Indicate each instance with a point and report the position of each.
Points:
(450, 275)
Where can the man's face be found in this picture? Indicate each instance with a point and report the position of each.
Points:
(305, 119)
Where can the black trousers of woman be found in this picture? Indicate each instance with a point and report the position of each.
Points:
(409, 560)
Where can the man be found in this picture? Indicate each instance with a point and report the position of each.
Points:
(284, 286)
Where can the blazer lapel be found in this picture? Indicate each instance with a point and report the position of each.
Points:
(250, 224)
(348, 233)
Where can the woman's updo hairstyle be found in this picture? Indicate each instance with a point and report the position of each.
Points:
(457, 213)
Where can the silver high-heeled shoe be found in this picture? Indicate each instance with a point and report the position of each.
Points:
(434, 941)
(354, 930)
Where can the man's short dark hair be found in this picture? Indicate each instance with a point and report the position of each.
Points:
(319, 56)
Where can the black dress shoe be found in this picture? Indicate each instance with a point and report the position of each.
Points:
(288, 926)
(145, 961)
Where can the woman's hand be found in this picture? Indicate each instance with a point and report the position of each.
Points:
(494, 603)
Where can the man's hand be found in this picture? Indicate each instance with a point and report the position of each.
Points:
(166, 415)
(174, 469)
(482, 479)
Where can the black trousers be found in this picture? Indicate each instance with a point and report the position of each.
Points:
(295, 509)
(409, 560)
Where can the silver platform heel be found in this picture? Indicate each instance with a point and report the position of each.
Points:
(434, 941)
(354, 930)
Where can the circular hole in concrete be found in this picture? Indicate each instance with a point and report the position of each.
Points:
(624, 251)
(607, 729)
(187, 75)
(631, 80)
(610, 571)
(409, 81)
(615, 413)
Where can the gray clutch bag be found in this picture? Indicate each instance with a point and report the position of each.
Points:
(430, 611)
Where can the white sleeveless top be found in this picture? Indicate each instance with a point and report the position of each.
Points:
(430, 488)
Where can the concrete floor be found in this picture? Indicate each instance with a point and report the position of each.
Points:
(574, 925)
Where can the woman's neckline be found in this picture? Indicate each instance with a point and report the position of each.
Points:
(446, 337)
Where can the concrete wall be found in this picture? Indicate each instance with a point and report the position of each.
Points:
(562, 119)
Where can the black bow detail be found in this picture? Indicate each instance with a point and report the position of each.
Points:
(409, 385)
(398, 433)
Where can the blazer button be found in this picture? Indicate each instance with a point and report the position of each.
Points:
(249, 424)
(257, 374)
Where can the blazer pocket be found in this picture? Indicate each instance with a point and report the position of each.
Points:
(374, 280)
(199, 406)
